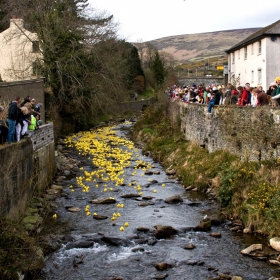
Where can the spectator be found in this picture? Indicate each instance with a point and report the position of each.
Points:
(254, 98)
(217, 96)
(211, 103)
(244, 99)
(26, 99)
(3, 128)
(262, 98)
(12, 118)
(22, 123)
(276, 93)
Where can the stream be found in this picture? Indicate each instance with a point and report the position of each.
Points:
(116, 241)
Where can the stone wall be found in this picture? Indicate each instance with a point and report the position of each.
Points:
(26, 168)
(42, 136)
(207, 130)
(33, 88)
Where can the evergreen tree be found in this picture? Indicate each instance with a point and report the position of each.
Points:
(158, 69)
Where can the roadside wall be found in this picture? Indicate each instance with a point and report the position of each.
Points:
(26, 168)
(207, 130)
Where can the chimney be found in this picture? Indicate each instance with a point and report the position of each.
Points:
(16, 23)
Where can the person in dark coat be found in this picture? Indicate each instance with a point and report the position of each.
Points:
(12, 118)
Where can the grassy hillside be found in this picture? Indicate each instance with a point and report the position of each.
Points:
(192, 47)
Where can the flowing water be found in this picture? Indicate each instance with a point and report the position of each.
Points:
(129, 253)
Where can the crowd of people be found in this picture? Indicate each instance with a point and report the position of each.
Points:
(22, 115)
(216, 94)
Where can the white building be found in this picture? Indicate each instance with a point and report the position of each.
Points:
(256, 60)
(19, 53)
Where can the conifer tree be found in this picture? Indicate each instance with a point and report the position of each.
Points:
(158, 69)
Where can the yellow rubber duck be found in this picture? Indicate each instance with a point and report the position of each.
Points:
(126, 224)
(54, 216)
(154, 191)
(121, 228)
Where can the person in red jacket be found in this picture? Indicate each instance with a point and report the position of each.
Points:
(245, 96)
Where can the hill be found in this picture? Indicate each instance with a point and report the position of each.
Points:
(201, 46)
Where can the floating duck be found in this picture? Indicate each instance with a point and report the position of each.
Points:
(121, 228)
(154, 191)
(126, 224)
(54, 216)
(163, 185)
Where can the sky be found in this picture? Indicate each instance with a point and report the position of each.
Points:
(145, 20)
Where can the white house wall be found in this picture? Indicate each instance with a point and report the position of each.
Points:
(272, 59)
(245, 70)
(16, 52)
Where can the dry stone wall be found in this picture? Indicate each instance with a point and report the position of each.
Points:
(207, 130)
(27, 167)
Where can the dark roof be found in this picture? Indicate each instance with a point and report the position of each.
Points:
(272, 29)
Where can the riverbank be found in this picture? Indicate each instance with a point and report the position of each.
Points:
(246, 190)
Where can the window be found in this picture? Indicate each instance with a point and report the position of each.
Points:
(238, 54)
(233, 58)
(245, 53)
(252, 76)
(252, 49)
(35, 47)
(260, 47)
(259, 76)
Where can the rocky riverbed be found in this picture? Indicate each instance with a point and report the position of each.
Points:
(116, 214)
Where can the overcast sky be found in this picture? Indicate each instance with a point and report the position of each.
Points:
(144, 20)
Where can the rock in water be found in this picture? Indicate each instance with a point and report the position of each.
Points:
(189, 246)
(99, 217)
(130, 195)
(252, 248)
(174, 199)
(275, 243)
(104, 201)
(163, 266)
(161, 232)
(204, 225)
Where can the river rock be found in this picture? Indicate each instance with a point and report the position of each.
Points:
(236, 278)
(99, 217)
(104, 201)
(252, 248)
(247, 230)
(143, 204)
(148, 172)
(161, 231)
(156, 172)
(275, 243)
(174, 199)
(170, 171)
(189, 246)
(189, 188)
(204, 225)
(115, 241)
(147, 197)
(275, 262)
(137, 249)
(143, 229)
(56, 187)
(215, 234)
(163, 266)
(72, 209)
(130, 195)
(66, 172)
(79, 244)
(224, 276)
